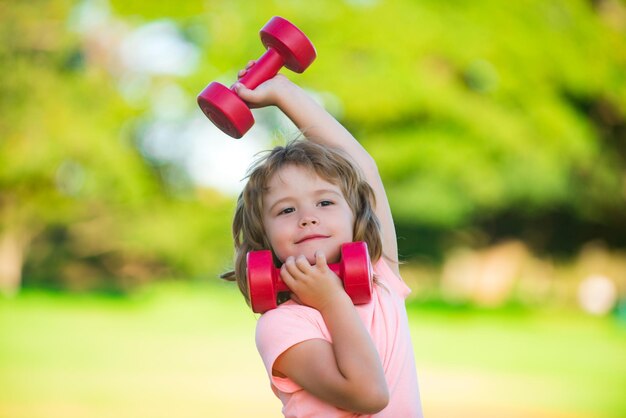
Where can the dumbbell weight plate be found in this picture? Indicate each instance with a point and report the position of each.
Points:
(290, 42)
(225, 109)
(357, 272)
(260, 265)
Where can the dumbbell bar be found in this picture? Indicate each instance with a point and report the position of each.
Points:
(286, 46)
(264, 282)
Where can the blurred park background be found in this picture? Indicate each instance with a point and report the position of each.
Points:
(499, 129)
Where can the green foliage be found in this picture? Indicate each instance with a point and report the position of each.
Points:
(85, 206)
(475, 111)
(472, 109)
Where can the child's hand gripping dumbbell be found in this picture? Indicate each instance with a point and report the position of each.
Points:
(264, 282)
(286, 46)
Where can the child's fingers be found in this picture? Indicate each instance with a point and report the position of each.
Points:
(296, 299)
(303, 264)
(245, 93)
(243, 72)
(285, 275)
(290, 267)
(320, 260)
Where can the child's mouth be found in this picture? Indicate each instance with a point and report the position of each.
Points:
(310, 237)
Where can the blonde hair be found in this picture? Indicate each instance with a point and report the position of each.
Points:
(330, 164)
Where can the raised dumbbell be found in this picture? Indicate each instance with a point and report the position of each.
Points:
(286, 46)
(264, 282)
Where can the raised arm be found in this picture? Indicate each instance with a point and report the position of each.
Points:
(348, 372)
(320, 126)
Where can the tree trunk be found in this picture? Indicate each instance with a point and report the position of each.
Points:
(12, 248)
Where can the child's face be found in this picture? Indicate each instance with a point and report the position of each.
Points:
(303, 213)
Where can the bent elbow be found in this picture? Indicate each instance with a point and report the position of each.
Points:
(375, 401)
(379, 402)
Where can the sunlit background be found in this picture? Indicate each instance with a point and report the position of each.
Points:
(499, 129)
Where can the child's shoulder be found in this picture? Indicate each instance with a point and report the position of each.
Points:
(288, 314)
(287, 325)
(388, 277)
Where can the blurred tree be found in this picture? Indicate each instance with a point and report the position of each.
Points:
(79, 205)
(487, 120)
(508, 119)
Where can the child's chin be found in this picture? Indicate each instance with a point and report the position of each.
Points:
(310, 256)
(332, 256)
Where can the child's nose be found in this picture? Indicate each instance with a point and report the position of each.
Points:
(308, 221)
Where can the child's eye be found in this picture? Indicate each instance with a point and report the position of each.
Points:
(325, 203)
(286, 211)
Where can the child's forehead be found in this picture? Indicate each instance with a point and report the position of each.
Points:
(298, 177)
(290, 172)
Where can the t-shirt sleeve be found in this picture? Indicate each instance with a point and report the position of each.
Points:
(282, 328)
(391, 279)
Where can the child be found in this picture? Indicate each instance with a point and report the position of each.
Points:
(325, 357)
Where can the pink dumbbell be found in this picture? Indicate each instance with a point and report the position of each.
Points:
(264, 281)
(286, 46)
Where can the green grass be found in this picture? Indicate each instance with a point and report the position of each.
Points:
(545, 363)
(188, 351)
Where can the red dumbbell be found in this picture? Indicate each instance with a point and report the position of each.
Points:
(286, 46)
(264, 281)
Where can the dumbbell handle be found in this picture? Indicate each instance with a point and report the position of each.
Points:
(336, 268)
(265, 68)
(264, 282)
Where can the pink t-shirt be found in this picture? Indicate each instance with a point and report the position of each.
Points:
(385, 319)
